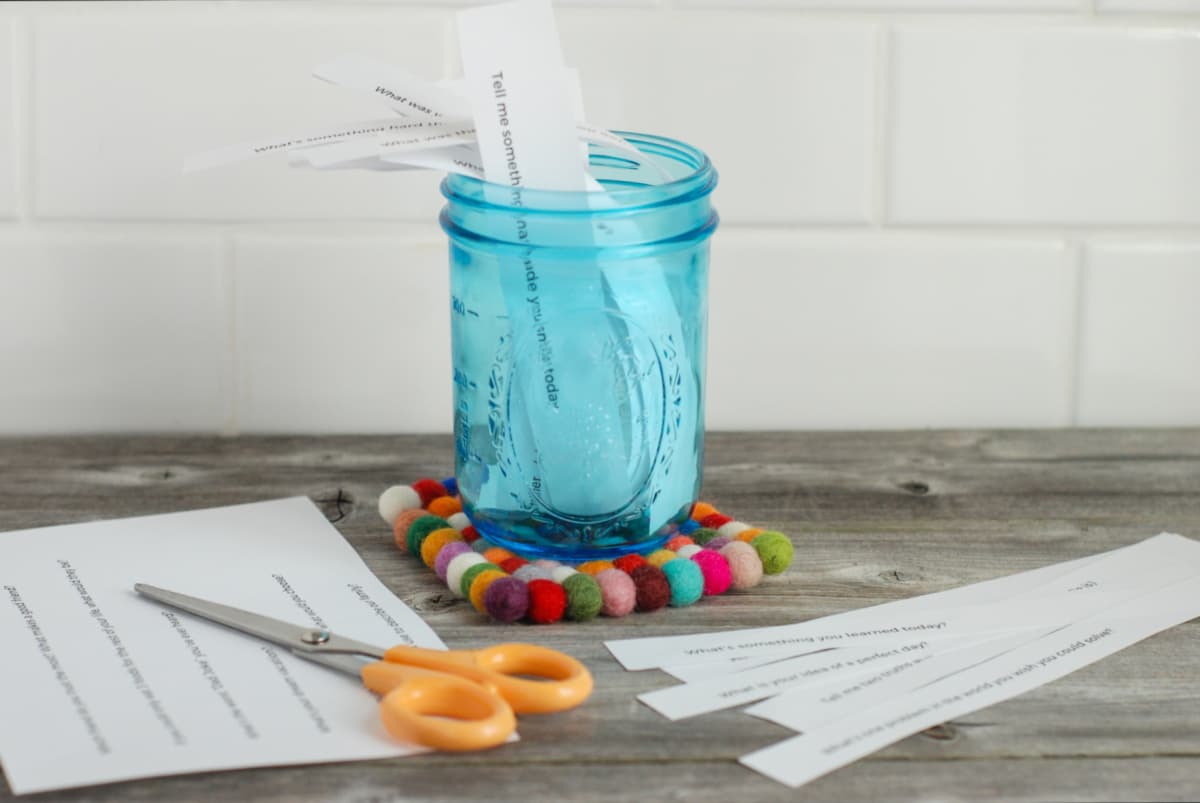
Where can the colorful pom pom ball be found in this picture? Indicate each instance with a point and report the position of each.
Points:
(618, 594)
(583, 597)
(775, 550)
(547, 601)
(506, 599)
(396, 500)
(745, 566)
(715, 569)
(686, 579)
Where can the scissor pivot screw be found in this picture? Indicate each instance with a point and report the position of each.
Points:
(315, 636)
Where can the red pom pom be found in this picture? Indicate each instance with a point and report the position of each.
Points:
(428, 490)
(715, 520)
(470, 534)
(653, 589)
(547, 601)
(510, 565)
(628, 563)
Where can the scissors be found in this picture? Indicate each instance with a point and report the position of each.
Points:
(448, 700)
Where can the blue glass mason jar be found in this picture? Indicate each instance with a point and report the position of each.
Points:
(578, 332)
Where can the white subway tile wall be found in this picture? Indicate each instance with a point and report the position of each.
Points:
(903, 331)
(898, 5)
(1148, 6)
(1023, 125)
(8, 116)
(934, 212)
(366, 320)
(112, 332)
(121, 100)
(1141, 358)
(786, 113)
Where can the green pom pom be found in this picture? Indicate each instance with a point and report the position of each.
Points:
(470, 574)
(583, 597)
(703, 535)
(686, 579)
(421, 528)
(775, 551)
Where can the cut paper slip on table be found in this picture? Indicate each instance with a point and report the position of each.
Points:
(851, 701)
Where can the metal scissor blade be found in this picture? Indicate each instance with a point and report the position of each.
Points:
(304, 641)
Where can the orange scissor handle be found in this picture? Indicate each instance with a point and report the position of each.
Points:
(431, 708)
(565, 681)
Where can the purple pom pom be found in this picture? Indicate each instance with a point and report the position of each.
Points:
(448, 553)
(506, 599)
(717, 542)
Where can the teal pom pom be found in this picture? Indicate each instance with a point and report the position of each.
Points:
(583, 597)
(421, 528)
(686, 579)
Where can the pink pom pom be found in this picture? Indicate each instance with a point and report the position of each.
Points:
(618, 593)
(715, 569)
(744, 564)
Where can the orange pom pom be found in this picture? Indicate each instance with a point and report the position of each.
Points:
(678, 542)
(702, 509)
(479, 586)
(444, 506)
(496, 555)
(434, 542)
(749, 535)
(403, 522)
(594, 567)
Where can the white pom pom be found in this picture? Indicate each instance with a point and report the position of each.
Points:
(560, 573)
(458, 567)
(730, 529)
(687, 550)
(396, 500)
(459, 521)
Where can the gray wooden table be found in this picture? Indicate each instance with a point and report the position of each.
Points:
(874, 516)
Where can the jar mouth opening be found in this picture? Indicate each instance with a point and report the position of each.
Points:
(625, 181)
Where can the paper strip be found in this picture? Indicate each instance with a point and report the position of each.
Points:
(895, 622)
(402, 92)
(809, 708)
(803, 758)
(461, 159)
(513, 73)
(421, 137)
(692, 673)
(307, 139)
(730, 691)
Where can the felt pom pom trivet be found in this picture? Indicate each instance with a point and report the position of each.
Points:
(709, 554)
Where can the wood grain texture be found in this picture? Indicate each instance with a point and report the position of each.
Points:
(875, 517)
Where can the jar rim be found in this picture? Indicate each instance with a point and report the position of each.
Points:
(458, 188)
